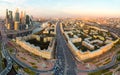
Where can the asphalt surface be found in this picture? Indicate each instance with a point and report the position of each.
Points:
(1, 55)
(66, 63)
(107, 66)
(68, 59)
(5, 53)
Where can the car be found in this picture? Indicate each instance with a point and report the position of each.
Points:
(9, 63)
(8, 58)
(9, 68)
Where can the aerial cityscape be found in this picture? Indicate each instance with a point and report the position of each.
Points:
(59, 37)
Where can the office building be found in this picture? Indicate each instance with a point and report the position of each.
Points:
(17, 20)
(17, 17)
(7, 17)
(27, 19)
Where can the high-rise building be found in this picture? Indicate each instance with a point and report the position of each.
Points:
(6, 13)
(16, 25)
(11, 20)
(22, 17)
(17, 20)
(17, 17)
(21, 21)
(7, 17)
(8, 26)
(27, 19)
(10, 15)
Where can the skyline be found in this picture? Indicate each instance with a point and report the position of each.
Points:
(59, 37)
(63, 8)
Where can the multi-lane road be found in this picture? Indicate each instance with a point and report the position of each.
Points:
(4, 52)
(64, 57)
(66, 63)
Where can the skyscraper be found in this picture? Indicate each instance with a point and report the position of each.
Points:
(17, 17)
(21, 17)
(20, 22)
(16, 25)
(10, 15)
(7, 17)
(17, 20)
(27, 19)
(11, 20)
(24, 17)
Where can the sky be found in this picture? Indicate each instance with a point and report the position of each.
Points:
(63, 8)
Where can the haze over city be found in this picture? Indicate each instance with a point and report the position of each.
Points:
(59, 37)
(64, 8)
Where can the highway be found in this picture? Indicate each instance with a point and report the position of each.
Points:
(12, 58)
(66, 63)
(27, 66)
(1, 58)
(4, 52)
(107, 66)
(62, 45)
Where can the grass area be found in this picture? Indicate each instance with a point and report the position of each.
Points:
(118, 58)
(118, 52)
(10, 49)
(75, 33)
(23, 58)
(115, 66)
(16, 67)
(28, 71)
(3, 64)
(43, 44)
(108, 59)
(32, 63)
(35, 66)
(106, 62)
(110, 73)
(1, 58)
(70, 35)
(0, 45)
(99, 72)
(79, 46)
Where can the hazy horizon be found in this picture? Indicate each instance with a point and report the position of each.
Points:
(63, 8)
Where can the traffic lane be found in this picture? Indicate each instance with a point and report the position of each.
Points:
(68, 55)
